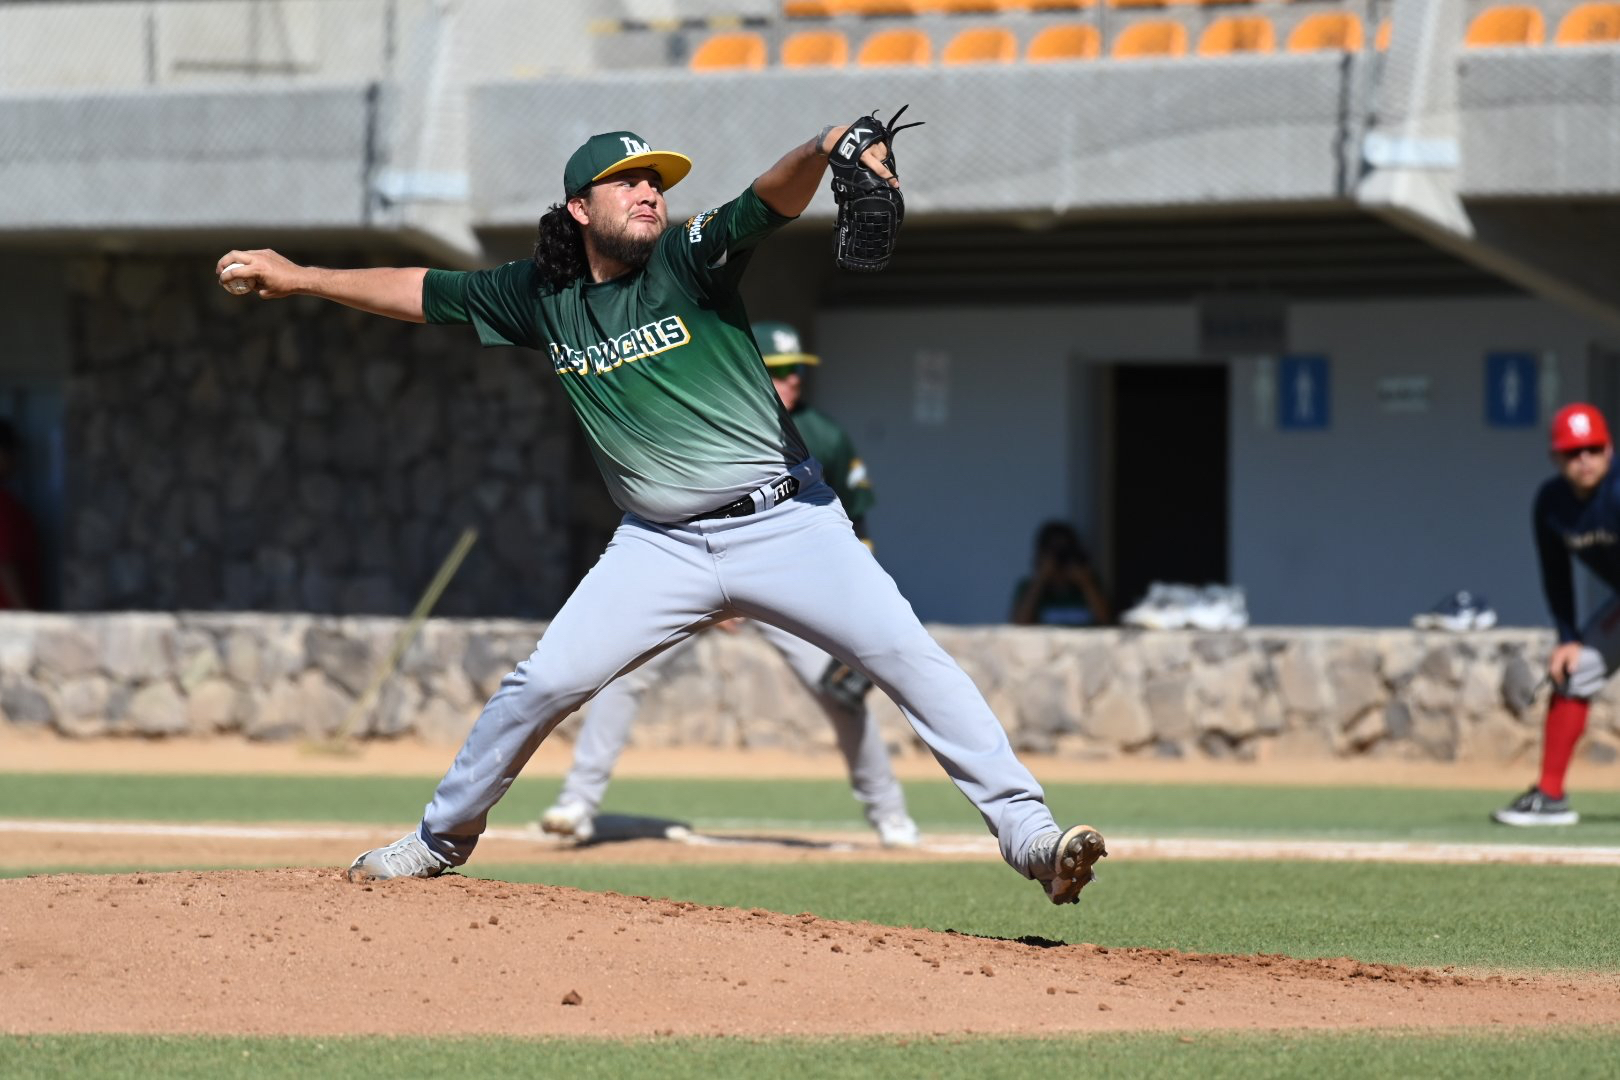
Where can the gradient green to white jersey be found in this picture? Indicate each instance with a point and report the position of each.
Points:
(660, 364)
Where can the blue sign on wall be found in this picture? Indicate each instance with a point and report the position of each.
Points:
(1303, 399)
(1510, 390)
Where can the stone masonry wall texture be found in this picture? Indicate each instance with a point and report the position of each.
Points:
(1305, 693)
(228, 453)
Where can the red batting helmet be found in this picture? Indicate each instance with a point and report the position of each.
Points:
(1579, 425)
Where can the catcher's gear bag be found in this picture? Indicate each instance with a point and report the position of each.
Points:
(845, 685)
(869, 209)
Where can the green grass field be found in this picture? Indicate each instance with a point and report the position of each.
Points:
(1491, 917)
(1125, 809)
(1567, 1055)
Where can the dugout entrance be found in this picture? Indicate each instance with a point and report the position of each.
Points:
(1167, 475)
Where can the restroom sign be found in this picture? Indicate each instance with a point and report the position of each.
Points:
(1303, 399)
(1511, 400)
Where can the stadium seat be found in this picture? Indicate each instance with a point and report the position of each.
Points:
(981, 45)
(895, 48)
(976, 7)
(801, 9)
(1590, 24)
(1070, 41)
(730, 52)
(1153, 37)
(1059, 5)
(1238, 34)
(815, 48)
(1326, 31)
(1386, 31)
(1510, 24)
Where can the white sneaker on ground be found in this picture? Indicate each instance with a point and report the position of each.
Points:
(1065, 867)
(406, 857)
(897, 831)
(572, 820)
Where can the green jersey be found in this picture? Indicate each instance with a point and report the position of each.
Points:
(844, 472)
(659, 364)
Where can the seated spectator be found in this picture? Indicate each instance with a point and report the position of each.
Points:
(1062, 591)
(19, 540)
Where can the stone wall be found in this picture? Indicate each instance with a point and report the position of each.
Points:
(1092, 694)
(228, 453)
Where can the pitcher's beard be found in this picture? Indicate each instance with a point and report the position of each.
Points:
(633, 249)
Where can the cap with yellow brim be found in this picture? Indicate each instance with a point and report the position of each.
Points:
(614, 151)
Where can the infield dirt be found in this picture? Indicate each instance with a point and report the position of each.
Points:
(305, 952)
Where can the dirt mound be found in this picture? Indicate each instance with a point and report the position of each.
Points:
(304, 952)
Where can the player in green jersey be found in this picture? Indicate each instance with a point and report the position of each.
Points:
(726, 513)
(837, 690)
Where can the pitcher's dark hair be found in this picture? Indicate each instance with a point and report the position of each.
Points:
(559, 252)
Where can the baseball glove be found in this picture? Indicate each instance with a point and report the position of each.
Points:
(846, 686)
(869, 209)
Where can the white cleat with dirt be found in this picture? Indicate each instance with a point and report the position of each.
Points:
(1070, 863)
(406, 857)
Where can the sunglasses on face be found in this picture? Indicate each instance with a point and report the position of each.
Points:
(1580, 452)
(790, 369)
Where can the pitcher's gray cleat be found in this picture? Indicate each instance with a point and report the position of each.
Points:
(897, 831)
(1067, 869)
(406, 857)
(570, 820)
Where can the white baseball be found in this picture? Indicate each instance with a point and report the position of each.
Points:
(239, 286)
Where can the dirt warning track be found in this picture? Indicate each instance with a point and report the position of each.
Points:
(305, 952)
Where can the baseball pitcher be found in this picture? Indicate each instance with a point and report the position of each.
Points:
(726, 512)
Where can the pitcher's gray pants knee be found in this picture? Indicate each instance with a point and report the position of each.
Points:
(797, 566)
(612, 713)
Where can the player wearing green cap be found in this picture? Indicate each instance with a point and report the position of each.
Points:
(726, 512)
(837, 690)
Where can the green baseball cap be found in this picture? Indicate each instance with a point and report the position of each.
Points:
(779, 345)
(611, 152)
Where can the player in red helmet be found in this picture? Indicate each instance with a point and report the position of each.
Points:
(1577, 513)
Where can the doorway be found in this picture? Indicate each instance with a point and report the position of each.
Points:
(1168, 476)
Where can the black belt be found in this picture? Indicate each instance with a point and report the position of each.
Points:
(783, 489)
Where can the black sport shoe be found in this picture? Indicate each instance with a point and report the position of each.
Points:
(1535, 807)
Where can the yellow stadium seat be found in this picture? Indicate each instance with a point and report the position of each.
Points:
(1059, 5)
(1327, 30)
(895, 48)
(1238, 34)
(1152, 37)
(974, 7)
(1386, 31)
(730, 52)
(982, 45)
(1590, 24)
(1070, 41)
(815, 48)
(1510, 24)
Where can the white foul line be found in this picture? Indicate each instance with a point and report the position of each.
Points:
(1148, 849)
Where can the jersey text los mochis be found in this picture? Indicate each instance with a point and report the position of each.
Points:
(601, 358)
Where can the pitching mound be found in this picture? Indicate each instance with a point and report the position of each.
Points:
(304, 952)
